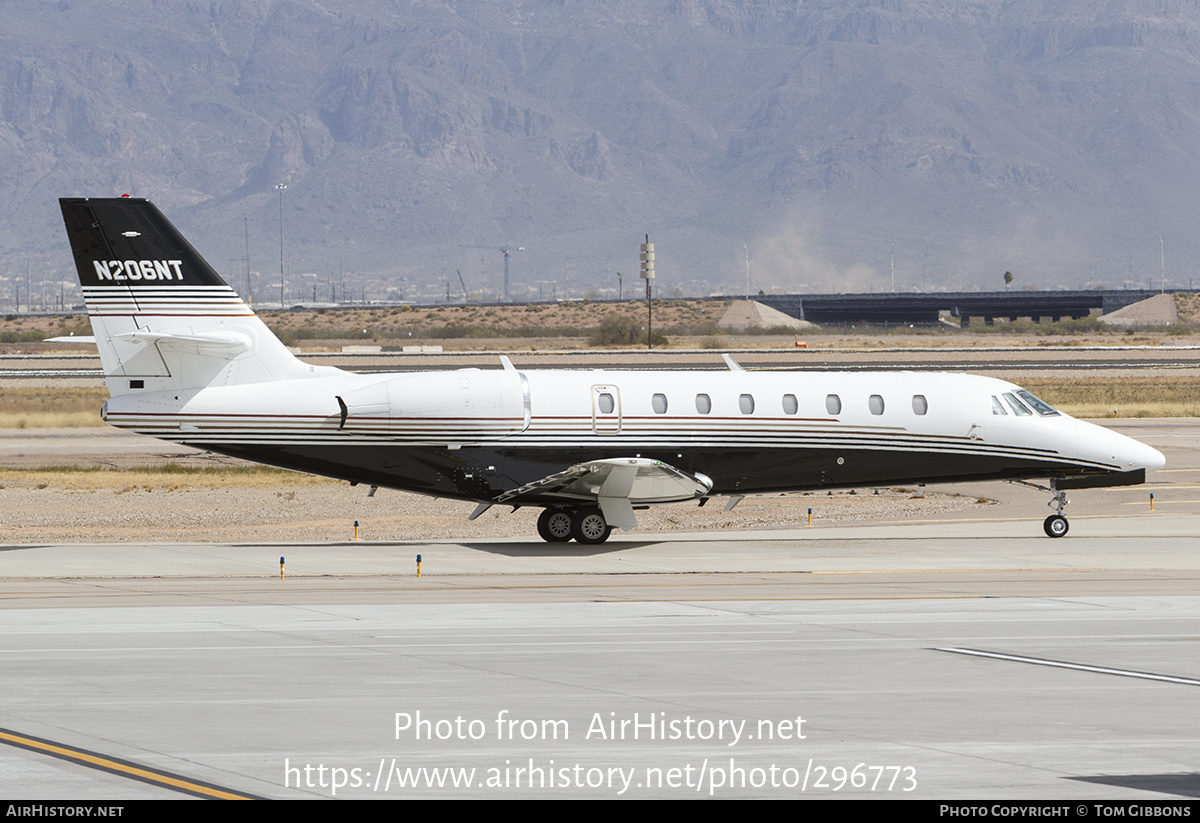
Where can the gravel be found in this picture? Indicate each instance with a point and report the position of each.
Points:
(326, 512)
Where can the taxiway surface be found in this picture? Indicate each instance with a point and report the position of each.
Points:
(945, 659)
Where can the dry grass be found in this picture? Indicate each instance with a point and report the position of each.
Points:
(169, 477)
(51, 420)
(1125, 397)
(53, 408)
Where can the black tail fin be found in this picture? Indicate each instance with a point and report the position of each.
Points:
(162, 317)
(127, 241)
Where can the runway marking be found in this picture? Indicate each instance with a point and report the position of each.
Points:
(122, 768)
(1060, 664)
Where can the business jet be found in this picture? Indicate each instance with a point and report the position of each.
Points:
(186, 360)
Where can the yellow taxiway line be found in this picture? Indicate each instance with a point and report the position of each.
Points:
(121, 767)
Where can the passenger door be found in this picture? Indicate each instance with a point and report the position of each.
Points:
(606, 409)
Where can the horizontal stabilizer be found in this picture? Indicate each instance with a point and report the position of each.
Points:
(226, 343)
(73, 338)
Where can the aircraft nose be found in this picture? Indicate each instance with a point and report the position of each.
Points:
(1149, 458)
(1107, 446)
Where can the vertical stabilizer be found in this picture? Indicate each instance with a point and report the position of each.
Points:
(163, 319)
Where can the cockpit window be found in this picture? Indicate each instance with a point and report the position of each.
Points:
(1016, 405)
(1039, 406)
(997, 406)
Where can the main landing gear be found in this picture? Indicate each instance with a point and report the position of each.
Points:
(586, 526)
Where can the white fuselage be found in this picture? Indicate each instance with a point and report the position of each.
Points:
(749, 431)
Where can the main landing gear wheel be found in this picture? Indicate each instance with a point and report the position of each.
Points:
(589, 527)
(1056, 525)
(554, 525)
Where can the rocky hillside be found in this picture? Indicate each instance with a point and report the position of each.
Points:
(1055, 139)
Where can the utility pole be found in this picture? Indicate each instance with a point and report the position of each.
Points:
(647, 259)
(249, 292)
(506, 250)
(747, 251)
(281, 188)
(1162, 272)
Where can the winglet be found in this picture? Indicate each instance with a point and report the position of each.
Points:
(508, 366)
(731, 363)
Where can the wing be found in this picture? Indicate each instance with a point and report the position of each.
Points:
(616, 485)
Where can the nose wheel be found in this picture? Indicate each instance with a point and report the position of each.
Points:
(1056, 525)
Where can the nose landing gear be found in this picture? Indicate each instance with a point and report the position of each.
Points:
(1055, 525)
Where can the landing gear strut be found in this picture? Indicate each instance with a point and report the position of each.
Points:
(1056, 525)
(586, 526)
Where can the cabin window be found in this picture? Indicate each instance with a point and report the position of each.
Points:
(790, 404)
(1040, 406)
(920, 404)
(659, 402)
(1018, 408)
(703, 403)
(997, 406)
(875, 404)
(606, 403)
(833, 404)
(746, 403)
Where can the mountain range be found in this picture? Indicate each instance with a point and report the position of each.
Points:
(855, 145)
